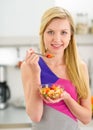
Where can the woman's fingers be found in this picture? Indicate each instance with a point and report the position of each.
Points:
(28, 54)
(31, 57)
(47, 99)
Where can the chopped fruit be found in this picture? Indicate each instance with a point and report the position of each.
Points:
(92, 103)
(92, 99)
(49, 56)
(54, 91)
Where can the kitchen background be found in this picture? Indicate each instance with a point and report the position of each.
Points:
(19, 28)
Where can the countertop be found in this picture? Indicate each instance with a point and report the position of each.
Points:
(13, 117)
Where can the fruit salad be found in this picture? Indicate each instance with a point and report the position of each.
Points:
(52, 91)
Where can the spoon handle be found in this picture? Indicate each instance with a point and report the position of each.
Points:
(40, 54)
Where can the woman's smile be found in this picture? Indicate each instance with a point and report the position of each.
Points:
(56, 46)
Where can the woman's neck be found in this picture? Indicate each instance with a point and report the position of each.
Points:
(56, 60)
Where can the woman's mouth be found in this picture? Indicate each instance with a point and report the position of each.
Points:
(56, 45)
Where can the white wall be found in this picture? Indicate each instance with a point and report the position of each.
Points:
(86, 54)
(77, 6)
(21, 17)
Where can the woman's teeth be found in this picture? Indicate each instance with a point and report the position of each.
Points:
(56, 45)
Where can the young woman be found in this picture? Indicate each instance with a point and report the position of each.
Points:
(65, 68)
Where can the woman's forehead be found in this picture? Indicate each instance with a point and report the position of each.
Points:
(59, 23)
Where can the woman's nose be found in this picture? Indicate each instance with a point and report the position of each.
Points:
(57, 37)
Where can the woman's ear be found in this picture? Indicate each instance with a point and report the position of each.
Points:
(46, 49)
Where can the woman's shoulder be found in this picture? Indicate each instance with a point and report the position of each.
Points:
(84, 69)
(84, 65)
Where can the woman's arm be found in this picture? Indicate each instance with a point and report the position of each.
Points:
(83, 110)
(30, 72)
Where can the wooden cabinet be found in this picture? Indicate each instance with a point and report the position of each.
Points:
(84, 39)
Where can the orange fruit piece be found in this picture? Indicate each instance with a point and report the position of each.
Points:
(49, 55)
(54, 87)
(92, 99)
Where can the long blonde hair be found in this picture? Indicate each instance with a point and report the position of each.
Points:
(72, 60)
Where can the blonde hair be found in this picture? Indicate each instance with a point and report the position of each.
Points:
(72, 60)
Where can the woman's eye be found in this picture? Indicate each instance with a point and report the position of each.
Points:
(50, 32)
(63, 32)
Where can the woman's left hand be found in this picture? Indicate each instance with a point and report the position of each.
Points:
(47, 99)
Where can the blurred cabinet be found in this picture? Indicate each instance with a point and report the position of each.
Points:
(19, 41)
(13, 49)
(86, 128)
(17, 129)
(84, 39)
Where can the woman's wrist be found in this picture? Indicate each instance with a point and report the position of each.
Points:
(36, 79)
(66, 96)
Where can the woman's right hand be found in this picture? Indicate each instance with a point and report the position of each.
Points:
(31, 60)
(30, 71)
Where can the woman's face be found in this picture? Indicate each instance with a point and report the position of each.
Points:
(57, 35)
